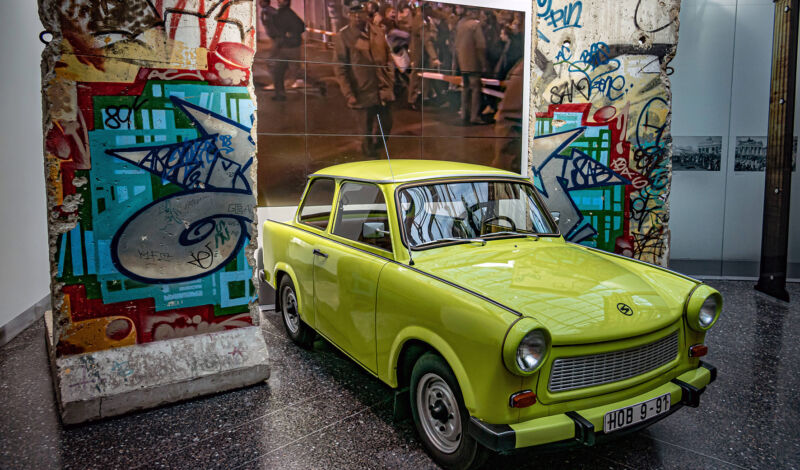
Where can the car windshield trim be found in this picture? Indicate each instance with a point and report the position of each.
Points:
(511, 234)
(449, 241)
(469, 179)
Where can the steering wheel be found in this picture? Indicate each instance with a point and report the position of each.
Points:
(471, 210)
(498, 217)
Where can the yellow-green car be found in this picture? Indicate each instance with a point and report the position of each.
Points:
(452, 282)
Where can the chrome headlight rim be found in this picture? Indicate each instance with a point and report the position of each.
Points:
(517, 333)
(704, 302)
(530, 340)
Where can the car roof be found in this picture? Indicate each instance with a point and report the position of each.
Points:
(404, 170)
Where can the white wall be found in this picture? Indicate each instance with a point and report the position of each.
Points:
(24, 275)
(721, 88)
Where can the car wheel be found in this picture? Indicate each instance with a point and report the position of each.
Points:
(296, 328)
(440, 415)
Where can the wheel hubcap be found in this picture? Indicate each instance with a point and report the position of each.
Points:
(438, 412)
(289, 307)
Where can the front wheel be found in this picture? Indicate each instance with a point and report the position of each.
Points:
(440, 415)
(296, 328)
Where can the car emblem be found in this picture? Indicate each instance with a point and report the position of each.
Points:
(624, 309)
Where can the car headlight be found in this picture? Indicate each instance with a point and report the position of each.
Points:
(531, 351)
(526, 346)
(708, 312)
(703, 308)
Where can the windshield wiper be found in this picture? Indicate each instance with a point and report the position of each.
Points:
(512, 234)
(452, 239)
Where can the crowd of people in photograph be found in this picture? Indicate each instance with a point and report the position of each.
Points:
(403, 53)
(691, 159)
(456, 39)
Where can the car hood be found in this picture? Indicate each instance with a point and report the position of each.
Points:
(580, 295)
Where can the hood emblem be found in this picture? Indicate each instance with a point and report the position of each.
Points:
(624, 309)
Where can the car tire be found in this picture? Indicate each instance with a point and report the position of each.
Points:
(440, 416)
(297, 330)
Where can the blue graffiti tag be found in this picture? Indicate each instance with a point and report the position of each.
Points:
(596, 55)
(205, 225)
(559, 18)
(605, 82)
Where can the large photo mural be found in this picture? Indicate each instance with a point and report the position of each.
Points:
(440, 80)
(149, 157)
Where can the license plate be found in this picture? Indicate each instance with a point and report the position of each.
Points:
(630, 415)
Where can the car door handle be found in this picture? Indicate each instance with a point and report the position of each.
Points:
(319, 253)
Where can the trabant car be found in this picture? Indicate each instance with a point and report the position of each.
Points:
(451, 281)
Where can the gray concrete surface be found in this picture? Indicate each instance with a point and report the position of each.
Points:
(116, 381)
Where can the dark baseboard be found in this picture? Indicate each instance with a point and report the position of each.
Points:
(731, 270)
(25, 319)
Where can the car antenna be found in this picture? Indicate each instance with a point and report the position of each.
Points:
(389, 159)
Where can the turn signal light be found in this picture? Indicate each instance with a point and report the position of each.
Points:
(522, 399)
(698, 350)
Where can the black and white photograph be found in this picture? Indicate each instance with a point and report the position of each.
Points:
(751, 154)
(696, 153)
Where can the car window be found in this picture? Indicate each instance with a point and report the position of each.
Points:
(361, 215)
(471, 209)
(316, 210)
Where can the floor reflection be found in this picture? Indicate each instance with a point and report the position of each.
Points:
(321, 410)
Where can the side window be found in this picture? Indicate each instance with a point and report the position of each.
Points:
(316, 210)
(361, 215)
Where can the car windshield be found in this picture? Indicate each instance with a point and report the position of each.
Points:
(462, 212)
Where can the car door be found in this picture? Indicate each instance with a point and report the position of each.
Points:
(313, 217)
(347, 268)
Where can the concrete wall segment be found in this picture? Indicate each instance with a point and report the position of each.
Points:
(602, 147)
(149, 149)
(149, 156)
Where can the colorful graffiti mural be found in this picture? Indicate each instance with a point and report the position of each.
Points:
(149, 156)
(601, 150)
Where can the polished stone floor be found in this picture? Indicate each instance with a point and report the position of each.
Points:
(320, 410)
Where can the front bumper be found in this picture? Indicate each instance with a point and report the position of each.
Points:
(585, 426)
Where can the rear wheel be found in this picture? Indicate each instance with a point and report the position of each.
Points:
(440, 415)
(296, 328)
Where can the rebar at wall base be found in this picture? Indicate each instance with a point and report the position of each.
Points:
(777, 189)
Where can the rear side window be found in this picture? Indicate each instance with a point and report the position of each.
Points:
(316, 210)
(361, 215)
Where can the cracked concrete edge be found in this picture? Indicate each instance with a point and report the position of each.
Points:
(252, 246)
(120, 380)
(56, 225)
(671, 52)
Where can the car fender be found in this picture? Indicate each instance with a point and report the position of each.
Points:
(283, 266)
(442, 347)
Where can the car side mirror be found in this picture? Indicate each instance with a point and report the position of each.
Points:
(373, 230)
(556, 216)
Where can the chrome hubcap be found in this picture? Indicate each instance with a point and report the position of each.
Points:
(289, 307)
(438, 412)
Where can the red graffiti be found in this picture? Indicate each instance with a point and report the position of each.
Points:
(143, 314)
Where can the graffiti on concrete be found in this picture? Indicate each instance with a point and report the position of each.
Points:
(149, 157)
(206, 24)
(205, 225)
(559, 16)
(601, 150)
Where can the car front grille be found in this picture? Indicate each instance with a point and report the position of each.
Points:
(571, 373)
